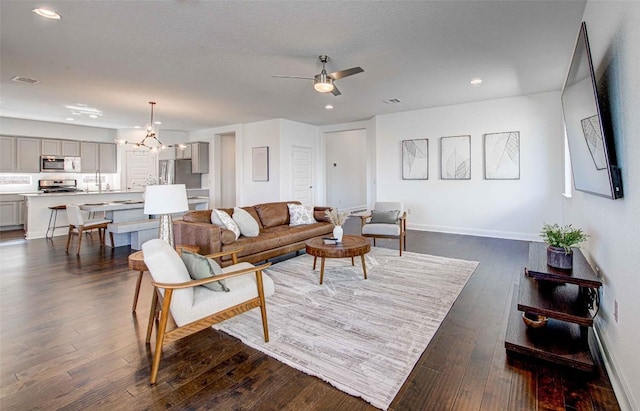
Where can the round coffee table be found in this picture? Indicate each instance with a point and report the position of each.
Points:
(351, 246)
(136, 263)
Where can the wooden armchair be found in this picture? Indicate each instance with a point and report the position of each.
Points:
(383, 222)
(194, 308)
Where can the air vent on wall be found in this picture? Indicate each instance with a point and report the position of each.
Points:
(19, 79)
(392, 101)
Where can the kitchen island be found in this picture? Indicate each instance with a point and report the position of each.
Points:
(116, 205)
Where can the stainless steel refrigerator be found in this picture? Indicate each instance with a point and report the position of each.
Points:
(178, 172)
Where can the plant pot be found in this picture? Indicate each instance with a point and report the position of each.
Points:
(558, 258)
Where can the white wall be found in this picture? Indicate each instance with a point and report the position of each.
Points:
(500, 208)
(346, 169)
(260, 134)
(297, 134)
(614, 225)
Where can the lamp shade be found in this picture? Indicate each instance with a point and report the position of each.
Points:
(165, 199)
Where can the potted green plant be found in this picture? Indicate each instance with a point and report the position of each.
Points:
(560, 241)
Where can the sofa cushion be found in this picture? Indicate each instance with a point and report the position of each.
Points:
(245, 221)
(273, 214)
(300, 214)
(198, 216)
(320, 215)
(274, 237)
(223, 219)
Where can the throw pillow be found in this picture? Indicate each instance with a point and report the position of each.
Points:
(300, 215)
(384, 217)
(200, 267)
(223, 219)
(246, 223)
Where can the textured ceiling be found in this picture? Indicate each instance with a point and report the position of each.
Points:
(209, 63)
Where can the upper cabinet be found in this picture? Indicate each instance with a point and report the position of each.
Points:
(200, 158)
(198, 153)
(7, 153)
(69, 148)
(64, 148)
(27, 155)
(107, 153)
(98, 156)
(183, 153)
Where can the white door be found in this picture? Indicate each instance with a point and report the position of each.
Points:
(141, 168)
(302, 178)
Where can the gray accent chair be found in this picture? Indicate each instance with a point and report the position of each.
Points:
(382, 223)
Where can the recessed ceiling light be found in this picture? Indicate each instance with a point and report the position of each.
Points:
(47, 14)
(69, 119)
(476, 81)
(93, 116)
(157, 122)
(137, 127)
(392, 101)
(329, 107)
(25, 80)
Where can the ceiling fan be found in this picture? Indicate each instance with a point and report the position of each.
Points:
(323, 82)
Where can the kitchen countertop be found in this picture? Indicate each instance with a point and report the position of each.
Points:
(75, 193)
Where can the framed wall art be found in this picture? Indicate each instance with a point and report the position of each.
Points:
(502, 156)
(455, 158)
(260, 164)
(415, 159)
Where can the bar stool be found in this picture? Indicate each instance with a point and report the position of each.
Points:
(53, 217)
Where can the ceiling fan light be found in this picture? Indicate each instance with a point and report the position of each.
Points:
(323, 83)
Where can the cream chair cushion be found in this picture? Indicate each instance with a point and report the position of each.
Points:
(381, 229)
(166, 266)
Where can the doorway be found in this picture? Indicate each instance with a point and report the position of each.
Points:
(141, 168)
(302, 174)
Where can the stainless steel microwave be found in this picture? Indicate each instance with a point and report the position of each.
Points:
(56, 164)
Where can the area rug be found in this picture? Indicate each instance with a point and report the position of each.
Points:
(361, 336)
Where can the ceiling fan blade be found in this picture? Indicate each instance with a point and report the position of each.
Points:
(298, 77)
(348, 72)
(335, 91)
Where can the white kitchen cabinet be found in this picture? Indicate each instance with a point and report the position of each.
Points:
(27, 155)
(7, 153)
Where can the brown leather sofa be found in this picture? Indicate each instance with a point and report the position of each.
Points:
(276, 236)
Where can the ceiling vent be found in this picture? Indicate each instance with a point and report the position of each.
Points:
(392, 101)
(25, 80)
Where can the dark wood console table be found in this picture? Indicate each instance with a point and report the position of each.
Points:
(567, 298)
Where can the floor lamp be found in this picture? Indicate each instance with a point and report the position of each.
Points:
(163, 200)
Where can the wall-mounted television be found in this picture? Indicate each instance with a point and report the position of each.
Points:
(588, 128)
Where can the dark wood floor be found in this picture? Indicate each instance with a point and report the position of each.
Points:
(68, 341)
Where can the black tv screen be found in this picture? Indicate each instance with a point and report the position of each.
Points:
(591, 146)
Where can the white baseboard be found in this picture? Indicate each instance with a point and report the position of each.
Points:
(619, 384)
(508, 235)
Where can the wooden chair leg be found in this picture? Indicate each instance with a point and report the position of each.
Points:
(152, 315)
(400, 245)
(69, 236)
(374, 241)
(135, 295)
(263, 306)
(79, 240)
(164, 317)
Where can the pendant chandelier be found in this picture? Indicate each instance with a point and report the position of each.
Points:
(150, 141)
